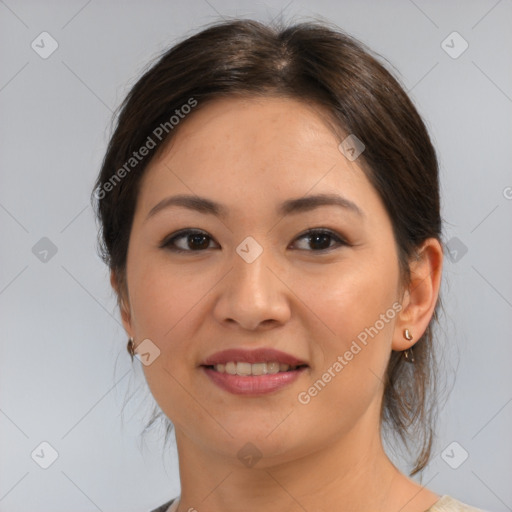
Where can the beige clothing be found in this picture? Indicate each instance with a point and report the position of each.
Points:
(448, 504)
(443, 504)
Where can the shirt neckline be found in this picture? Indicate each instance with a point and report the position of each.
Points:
(443, 500)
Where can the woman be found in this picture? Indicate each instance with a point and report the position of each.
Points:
(270, 215)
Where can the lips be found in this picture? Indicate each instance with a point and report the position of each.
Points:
(260, 355)
(253, 372)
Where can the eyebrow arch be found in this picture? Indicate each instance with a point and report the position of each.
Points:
(290, 206)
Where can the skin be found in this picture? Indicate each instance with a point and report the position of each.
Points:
(250, 155)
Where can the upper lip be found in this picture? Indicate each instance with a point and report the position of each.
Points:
(258, 355)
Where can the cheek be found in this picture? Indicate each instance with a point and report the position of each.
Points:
(161, 297)
(347, 381)
(166, 305)
(165, 308)
(353, 298)
(355, 307)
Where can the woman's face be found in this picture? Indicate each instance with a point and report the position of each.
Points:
(254, 279)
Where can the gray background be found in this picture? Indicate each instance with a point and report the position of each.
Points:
(65, 373)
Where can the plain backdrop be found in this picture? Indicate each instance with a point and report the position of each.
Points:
(64, 370)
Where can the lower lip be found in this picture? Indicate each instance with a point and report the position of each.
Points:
(253, 384)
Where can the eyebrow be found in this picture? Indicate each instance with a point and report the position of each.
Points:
(290, 206)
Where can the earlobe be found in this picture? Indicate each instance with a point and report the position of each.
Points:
(421, 296)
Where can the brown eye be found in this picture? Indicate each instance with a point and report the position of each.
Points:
(321, 239)
(193, 241)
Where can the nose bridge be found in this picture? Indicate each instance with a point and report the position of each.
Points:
(250, 267)
(253, 293)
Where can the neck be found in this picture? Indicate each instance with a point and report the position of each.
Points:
(351, 472)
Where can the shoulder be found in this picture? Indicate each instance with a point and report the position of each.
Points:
(449, 504)
(164, 507)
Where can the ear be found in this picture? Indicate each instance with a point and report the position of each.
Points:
(124, 306)
(420, 297)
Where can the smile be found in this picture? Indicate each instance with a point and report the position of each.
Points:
(249, 383)
(247, 369)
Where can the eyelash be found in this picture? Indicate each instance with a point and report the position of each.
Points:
(168, 242)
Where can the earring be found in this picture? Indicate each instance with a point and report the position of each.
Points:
(408, 354)
(131, 348)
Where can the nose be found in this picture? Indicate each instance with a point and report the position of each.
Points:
(254, 295)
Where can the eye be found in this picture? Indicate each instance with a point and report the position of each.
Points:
(320, 237)
(190, 240)
(197, 240)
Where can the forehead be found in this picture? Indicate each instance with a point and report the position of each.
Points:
(255, 122)
(256, 149)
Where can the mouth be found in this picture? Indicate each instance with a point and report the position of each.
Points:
(252, 372)
(264, 360)
(244, 369)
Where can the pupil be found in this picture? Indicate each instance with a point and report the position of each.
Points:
(195, 237)
(314, 239)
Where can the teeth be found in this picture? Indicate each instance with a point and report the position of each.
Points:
(246, 369)
(272, 367)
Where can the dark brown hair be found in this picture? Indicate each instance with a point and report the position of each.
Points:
(317, 63)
